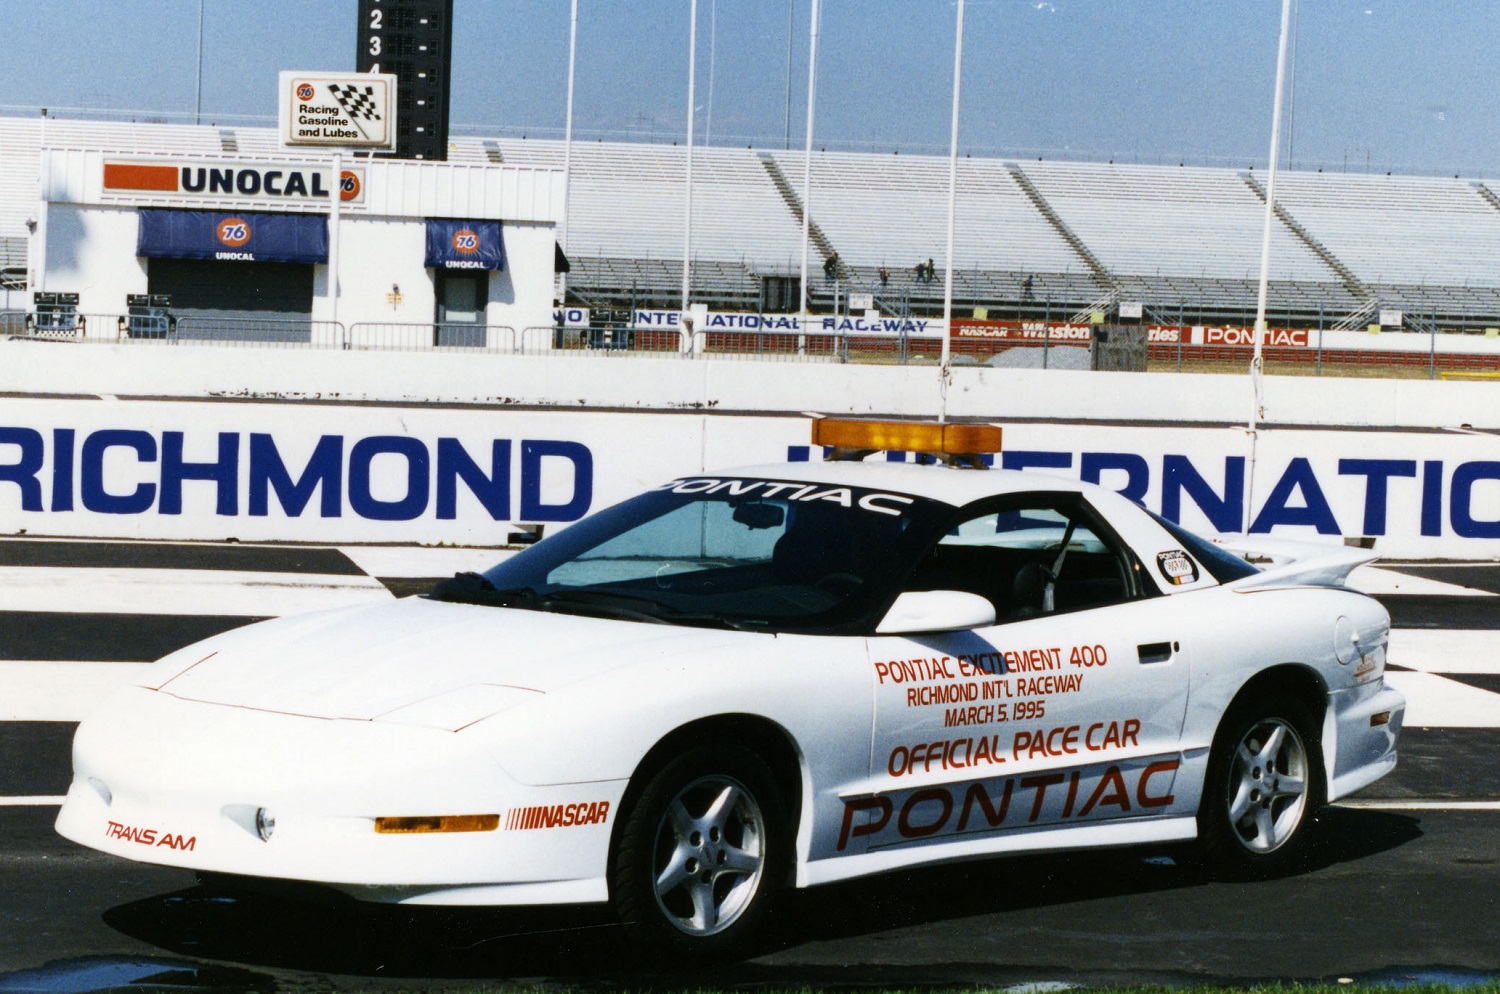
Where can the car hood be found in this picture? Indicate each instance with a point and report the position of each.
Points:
(409, 660)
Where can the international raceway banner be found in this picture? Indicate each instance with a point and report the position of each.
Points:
(465, 476)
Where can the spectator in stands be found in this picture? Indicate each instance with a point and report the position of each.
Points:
(1026, 287)
(831, 266)
(931, 270)
(921, 270)
(885, 276)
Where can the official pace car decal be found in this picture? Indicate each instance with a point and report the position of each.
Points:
(1177, 567)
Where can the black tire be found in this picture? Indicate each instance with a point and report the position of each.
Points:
(701, 856)
(1263, 789)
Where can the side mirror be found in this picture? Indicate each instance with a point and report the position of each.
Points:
(936, 611)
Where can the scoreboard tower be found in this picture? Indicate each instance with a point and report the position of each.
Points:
(414, 40)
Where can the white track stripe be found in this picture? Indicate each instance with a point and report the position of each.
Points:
(1378, 580)
(396, 561)
(38, 801)
(169, 591)
(1433, 701)
(1443, 650)
(59, 691)
(1416, 804)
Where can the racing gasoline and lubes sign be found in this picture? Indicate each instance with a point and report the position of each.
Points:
(342, 110)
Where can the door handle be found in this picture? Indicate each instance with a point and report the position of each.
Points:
(1156, 652)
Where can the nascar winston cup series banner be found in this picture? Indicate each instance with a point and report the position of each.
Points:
(269, 471)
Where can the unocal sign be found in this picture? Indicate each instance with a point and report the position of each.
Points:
(277, 183)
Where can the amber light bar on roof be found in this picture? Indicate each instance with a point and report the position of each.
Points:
(961, 441)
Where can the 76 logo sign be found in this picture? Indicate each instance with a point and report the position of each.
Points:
(234, 231)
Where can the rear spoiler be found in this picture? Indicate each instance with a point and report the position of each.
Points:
(1293, 563)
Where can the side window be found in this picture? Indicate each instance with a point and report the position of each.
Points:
(1028, 560)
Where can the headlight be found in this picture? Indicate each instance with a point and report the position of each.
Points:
(265, 824)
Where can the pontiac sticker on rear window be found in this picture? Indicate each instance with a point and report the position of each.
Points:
(1177, 566)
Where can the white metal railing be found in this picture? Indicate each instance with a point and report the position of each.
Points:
(259, 332)
(1357, 318)
(611, 339)
(416, 336)
(817, 343)
(1102, 304)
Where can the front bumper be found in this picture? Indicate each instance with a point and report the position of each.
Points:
(162, 780)
(1363, 724)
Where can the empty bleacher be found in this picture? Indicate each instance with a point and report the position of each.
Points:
(1425, 244)
(892, 210)
(1172, 221)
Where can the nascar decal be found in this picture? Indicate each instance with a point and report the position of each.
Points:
(557, 815)
(149, 836)
(1090, 793)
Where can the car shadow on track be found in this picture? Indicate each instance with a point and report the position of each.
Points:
(583, 945)
(1000, 886)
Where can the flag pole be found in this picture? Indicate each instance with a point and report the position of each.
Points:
(1257, 362)
(687, 215)
(945, 371)
(567, 138)
(812, 86)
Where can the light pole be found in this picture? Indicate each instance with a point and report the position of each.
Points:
(945, 370)
(198, 100)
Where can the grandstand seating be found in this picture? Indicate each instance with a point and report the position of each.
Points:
(892, 210)
(1183, 240)
(1431, 243)
(1171, 221)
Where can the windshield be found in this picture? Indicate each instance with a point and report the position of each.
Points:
(767, 555)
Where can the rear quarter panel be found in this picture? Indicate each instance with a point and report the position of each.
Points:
(1237, 635)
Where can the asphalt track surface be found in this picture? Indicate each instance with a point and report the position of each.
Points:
(1406, 882)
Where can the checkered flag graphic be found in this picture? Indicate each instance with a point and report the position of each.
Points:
(358, 102)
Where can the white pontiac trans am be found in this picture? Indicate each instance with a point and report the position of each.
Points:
(771, 677)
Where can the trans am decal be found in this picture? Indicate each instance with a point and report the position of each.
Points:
(149, 836)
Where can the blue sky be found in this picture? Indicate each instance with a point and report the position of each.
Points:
(1379, 84)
